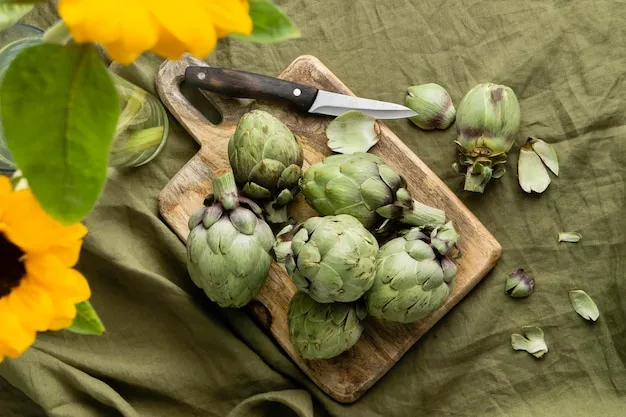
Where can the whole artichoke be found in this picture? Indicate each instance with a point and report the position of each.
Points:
(323, 331)
(330, 258)
(266, 159)
(364, 186)
(488, 121)
(414, 275)
(228, 247)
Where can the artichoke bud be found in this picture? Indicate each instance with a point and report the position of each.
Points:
(488, 121)
(412, 278)
(519, 284)
(267, 160)
(444, 238)
(323, 330)
(433, 106)
(228, 246)
(331, 258)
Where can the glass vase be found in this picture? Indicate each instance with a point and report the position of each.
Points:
(142, 127)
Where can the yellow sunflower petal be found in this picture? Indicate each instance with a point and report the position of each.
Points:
(14, 338)
(58, 280)
(5, 191)
(230, 16)
(28, 226)
(31, 305)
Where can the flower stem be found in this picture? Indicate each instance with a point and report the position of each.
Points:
(225, 190)
(58, 33)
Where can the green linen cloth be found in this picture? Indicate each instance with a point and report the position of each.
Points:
(169, 352)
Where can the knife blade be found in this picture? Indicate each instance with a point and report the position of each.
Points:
(242, 84)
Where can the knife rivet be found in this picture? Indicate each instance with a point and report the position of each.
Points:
(201, 75)
(297, 92)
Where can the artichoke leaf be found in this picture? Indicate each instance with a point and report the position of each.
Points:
(531, 172)
(584, 305)
(531, 340)
(352, 132)
(547, 154)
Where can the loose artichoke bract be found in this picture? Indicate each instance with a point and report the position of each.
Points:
(488, 121)
(413, 278)
(266, 159)
(362, 185)
(330, 258)
(323, 331)
(228, 247)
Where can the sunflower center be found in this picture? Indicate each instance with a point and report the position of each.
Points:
(12, 269)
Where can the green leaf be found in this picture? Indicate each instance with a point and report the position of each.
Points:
(86, 321)
(584, 305)
(60, 110)
(10, 13)
(271, 24)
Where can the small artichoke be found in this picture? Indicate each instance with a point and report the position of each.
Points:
(414, 277)
(433, 106)
(488, 121)
(228, 247)
(330, 258)
(364, 186)
(323, 331)
(266, 159)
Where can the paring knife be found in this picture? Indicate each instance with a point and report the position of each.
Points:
(242, 84)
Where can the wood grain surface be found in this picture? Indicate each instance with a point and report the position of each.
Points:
(347, 377)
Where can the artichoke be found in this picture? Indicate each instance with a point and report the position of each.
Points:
(331, 258)
(228, 247)
(433, 106)
(266, 159)
(414, 275)
(323, 331)
(364, 186)
(488, 121)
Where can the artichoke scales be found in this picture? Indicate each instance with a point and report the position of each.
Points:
(414, 275)
(362, 185)
(228, 247)
(266, 159)
(323, 331)
(331, 258)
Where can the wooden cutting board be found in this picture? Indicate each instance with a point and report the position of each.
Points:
(347, 377)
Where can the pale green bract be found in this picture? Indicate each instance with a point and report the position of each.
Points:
(488, 121)
(323, 331)
(331, 258)
(228, 246)
(531, 340)
(584, 305)
(266, 159)
(364, 186)
(414, 275)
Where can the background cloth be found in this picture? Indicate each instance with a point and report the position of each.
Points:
(170, 352)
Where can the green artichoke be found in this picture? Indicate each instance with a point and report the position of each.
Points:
(228, 247)
(364, 186)
(414, 275)
(488, 121)
(330, 258)
(266, 159)
(323, 331)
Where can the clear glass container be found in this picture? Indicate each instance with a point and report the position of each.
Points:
(142, 127)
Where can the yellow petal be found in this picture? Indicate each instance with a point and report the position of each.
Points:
(230, 16)
(14, 338)
(31, 305)
(57, 279)
(28, 226)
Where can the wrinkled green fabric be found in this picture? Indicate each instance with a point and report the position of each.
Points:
(169, 352)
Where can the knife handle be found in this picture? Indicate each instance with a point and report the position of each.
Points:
(243, 84)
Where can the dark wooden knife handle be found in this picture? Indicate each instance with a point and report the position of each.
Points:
(243, 84)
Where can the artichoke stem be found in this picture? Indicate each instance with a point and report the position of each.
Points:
(423, 215)
(477, 182)
(225, 190)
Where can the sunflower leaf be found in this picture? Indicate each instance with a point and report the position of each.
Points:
(531, 340)
(584, 305)
(87, 321)
(59, 112)
(12, 12)
(271, 24)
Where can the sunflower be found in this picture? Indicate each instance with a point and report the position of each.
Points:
(39, 289)
(127, 28)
